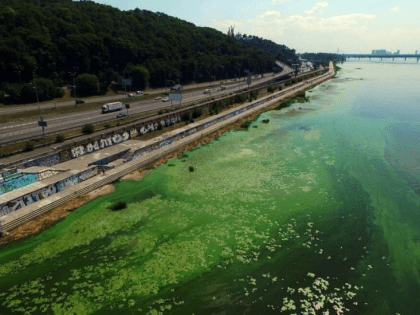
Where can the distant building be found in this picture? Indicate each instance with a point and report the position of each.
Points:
(381, 52)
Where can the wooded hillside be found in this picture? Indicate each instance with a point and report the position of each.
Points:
(59, 38)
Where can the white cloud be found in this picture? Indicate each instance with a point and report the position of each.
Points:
(303, 31)
(317, 8)
(268, 15)
(279, 1)
(336, 23)
(395, 9)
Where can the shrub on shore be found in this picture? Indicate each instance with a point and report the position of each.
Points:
(246, 125)
(120, 205)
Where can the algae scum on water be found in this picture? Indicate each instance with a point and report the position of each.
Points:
(270, 221)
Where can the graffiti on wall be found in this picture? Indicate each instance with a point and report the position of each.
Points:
(45, 192)
(100, 144)
(5, 175)
(110, 159)
(17, 183)
(46, 174)
(43, 161)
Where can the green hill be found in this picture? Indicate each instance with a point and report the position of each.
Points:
(58, 38)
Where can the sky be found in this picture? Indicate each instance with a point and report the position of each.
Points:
(347, 26)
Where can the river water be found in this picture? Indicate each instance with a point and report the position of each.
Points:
(311, 214)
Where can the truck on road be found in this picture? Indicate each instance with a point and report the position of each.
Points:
(112, 107)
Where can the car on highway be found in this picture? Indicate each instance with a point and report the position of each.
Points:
(139, 93)
(130, 94)
(158, 98)
(206, 91)
(79, 102)
(121, 115)
(166, 99)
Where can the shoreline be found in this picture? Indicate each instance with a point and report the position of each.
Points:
(46, 220)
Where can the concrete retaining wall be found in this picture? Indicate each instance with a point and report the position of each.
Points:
(47, 191)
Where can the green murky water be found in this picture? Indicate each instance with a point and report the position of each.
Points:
(317, 214)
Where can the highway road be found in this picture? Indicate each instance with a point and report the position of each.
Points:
(105, 99)
(30, 129)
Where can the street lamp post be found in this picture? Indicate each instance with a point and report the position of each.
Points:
(74, 88)
(41, 122)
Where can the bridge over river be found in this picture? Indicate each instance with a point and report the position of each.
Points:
(405, 56)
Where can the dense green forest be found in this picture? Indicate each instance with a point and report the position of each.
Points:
(49, 42)
(281, 52)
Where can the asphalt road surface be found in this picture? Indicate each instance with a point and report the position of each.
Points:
(30, 129)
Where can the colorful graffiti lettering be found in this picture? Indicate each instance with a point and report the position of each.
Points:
(101, 144)
(42, 161)
(88, 174)
(17, 182)
(46, 174)
(45, 192)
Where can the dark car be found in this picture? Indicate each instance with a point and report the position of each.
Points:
(121, 115)
(79, 102)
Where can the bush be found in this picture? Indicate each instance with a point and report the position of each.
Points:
(88, 129)
(191, 169)
(197, 112)
(186, 116)
(159, 127)
(266, 121)
(119, 206)
(280, 88)
(60, 138)
(270, 89)
(160, 112)
(29, 146)
(107, 126)
(86, 84)
(246, 125)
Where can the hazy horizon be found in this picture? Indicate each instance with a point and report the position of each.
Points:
(305, 25)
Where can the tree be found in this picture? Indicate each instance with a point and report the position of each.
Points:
(141, 76)
(86, 84)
